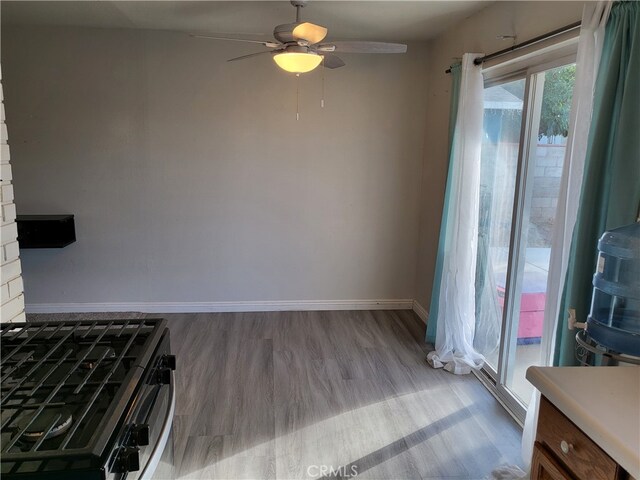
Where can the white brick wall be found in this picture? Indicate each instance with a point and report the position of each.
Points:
(11, 287)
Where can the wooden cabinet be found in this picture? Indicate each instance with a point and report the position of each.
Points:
(545, 467)
(563, 451)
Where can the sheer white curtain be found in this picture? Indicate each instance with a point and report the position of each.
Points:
(456, 304)
(594, 20)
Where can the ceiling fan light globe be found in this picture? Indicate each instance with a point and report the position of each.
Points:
(297, 62)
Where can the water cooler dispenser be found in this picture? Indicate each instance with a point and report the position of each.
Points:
(614, 320)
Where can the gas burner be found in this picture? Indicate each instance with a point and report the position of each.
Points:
(21, 357)
(16, 370)
(91, 361)
(40, 426)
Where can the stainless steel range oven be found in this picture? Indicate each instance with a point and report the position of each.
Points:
(86, 400)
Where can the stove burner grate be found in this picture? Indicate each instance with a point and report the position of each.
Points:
(94, 356)
(64, 386)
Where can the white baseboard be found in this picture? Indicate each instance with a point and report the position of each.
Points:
(420, 311)
(197, 307)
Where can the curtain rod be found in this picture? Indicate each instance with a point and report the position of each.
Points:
(499, 53)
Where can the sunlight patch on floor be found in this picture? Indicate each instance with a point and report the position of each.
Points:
(367, 438)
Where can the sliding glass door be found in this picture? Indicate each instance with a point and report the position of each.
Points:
(525, 129)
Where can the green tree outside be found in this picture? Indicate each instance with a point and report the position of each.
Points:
(556, 101)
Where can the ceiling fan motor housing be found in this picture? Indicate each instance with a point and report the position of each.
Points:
(299, 49)
(284, 33)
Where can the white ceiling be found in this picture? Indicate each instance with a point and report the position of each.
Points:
(365, 20)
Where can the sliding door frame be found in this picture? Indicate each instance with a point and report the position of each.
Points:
(534, 87)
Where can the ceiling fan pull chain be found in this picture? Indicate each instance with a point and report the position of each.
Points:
(297, 97)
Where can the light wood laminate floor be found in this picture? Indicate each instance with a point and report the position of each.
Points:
(285, 394)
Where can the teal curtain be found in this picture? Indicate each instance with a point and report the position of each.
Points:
(610, 193)
(456, 73)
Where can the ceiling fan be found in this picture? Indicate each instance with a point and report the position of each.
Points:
(297, 48)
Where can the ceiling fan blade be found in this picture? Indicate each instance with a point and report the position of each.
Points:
(309, 32)
(261, 42)
(363, 47)
(332, 61)
(248, 56)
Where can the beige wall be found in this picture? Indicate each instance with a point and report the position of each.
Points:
(191, 180)
(476, 34)
(185, 176)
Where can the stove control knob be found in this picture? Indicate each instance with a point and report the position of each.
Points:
(139, 435)
(164, 376)
(169, 361)
(128, 460)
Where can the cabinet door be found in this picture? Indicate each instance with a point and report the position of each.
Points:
(544, 467)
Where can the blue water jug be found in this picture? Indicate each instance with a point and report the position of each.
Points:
(614, 320)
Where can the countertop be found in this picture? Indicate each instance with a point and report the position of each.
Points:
(604, 402)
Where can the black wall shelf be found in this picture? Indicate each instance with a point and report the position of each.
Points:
(45, 231)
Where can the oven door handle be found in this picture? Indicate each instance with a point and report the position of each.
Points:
(158, 448)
